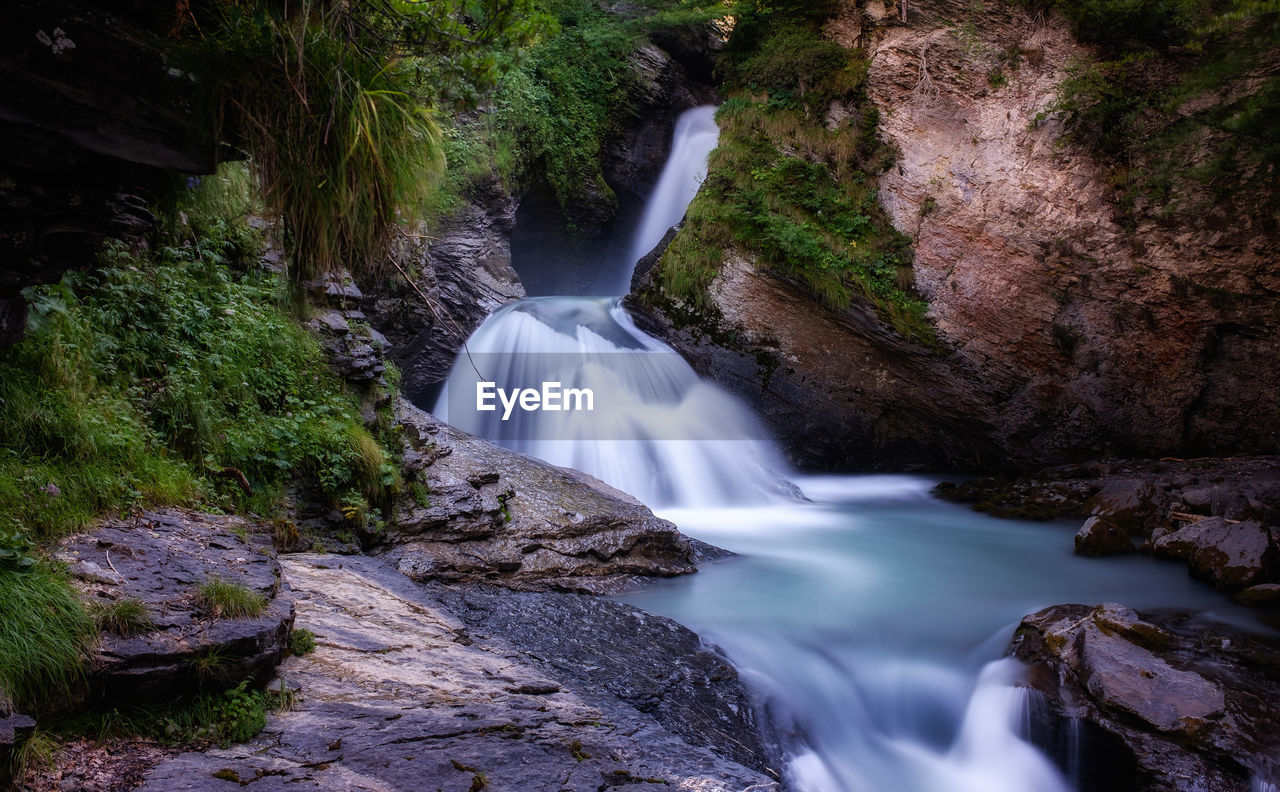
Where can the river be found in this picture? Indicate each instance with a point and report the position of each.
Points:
(869, 617)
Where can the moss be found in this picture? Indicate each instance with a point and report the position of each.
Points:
(789, 191)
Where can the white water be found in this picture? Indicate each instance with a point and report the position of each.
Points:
(696, 136)
(871, 620)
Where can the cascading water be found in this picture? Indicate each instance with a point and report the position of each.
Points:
(870, 619)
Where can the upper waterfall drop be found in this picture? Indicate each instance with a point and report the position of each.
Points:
(695, 137)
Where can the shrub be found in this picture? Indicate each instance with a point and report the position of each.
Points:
(301, 642)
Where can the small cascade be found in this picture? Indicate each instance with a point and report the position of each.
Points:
(655, 430)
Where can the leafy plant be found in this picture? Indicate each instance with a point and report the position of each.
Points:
(228, 600)
(301, 642)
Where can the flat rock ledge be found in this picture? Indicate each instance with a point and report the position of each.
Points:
(159, 559)
(478, 512)
(401, 695)
(1154, 701)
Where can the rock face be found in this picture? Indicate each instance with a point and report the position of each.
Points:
(91, 123)
(477, 511)
(160, 559)
(838, 390)
(1103, 331)
(1192, 706)
(1072, 329)
(14, 731)
(401, 694)
(460, 276)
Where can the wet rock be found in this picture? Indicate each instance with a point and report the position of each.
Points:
(401, 694)
(1264, 595)
(665, 671)
(1101, 537)
(460, 274)
(160, 559)
(1133, 505)
(477, 511)
(1192, 701)
(1230, 555)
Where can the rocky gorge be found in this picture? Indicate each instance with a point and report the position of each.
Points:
(465, 641)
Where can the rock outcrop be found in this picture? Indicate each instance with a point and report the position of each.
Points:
(1071, 326)
(1179, 704)
(1220, 517)
(159, 560)
(92, 125)
(476, 511)
(401, 694)
(461, 272)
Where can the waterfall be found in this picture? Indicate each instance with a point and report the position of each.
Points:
(656, 430)
(696, 136)
(869, 711)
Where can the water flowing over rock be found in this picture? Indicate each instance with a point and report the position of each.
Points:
(486, 513)
(401, 694)
(1192, 704)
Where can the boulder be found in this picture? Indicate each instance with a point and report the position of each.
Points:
(476, 511)
(1229, 555)
(1101, 537)
(159, 559)
(14, 731)
(1189, 705)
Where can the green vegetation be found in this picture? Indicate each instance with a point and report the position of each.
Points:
(233, 715)
(162, 375)
(334, 104)
(793, 192)
(1183, 97)
(45, 635)
(559, 102)
(302, 642)
(225, 599)
(124, 617)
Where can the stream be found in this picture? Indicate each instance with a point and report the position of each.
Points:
(869, 617)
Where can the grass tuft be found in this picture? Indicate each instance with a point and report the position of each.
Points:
(45, 635)
(125, 617)
(225, 599)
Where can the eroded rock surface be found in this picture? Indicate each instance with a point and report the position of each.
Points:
(160, 559)
(400, 694)
(478, 511)
(1189, 705)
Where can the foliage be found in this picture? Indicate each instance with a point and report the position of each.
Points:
(232, 715)
(333, 102)
(1181, 97)
(45, 635)
(225, 599)
(150, 380)
(560, 101)
(124, 617)
(301, 642)
(782, 186)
